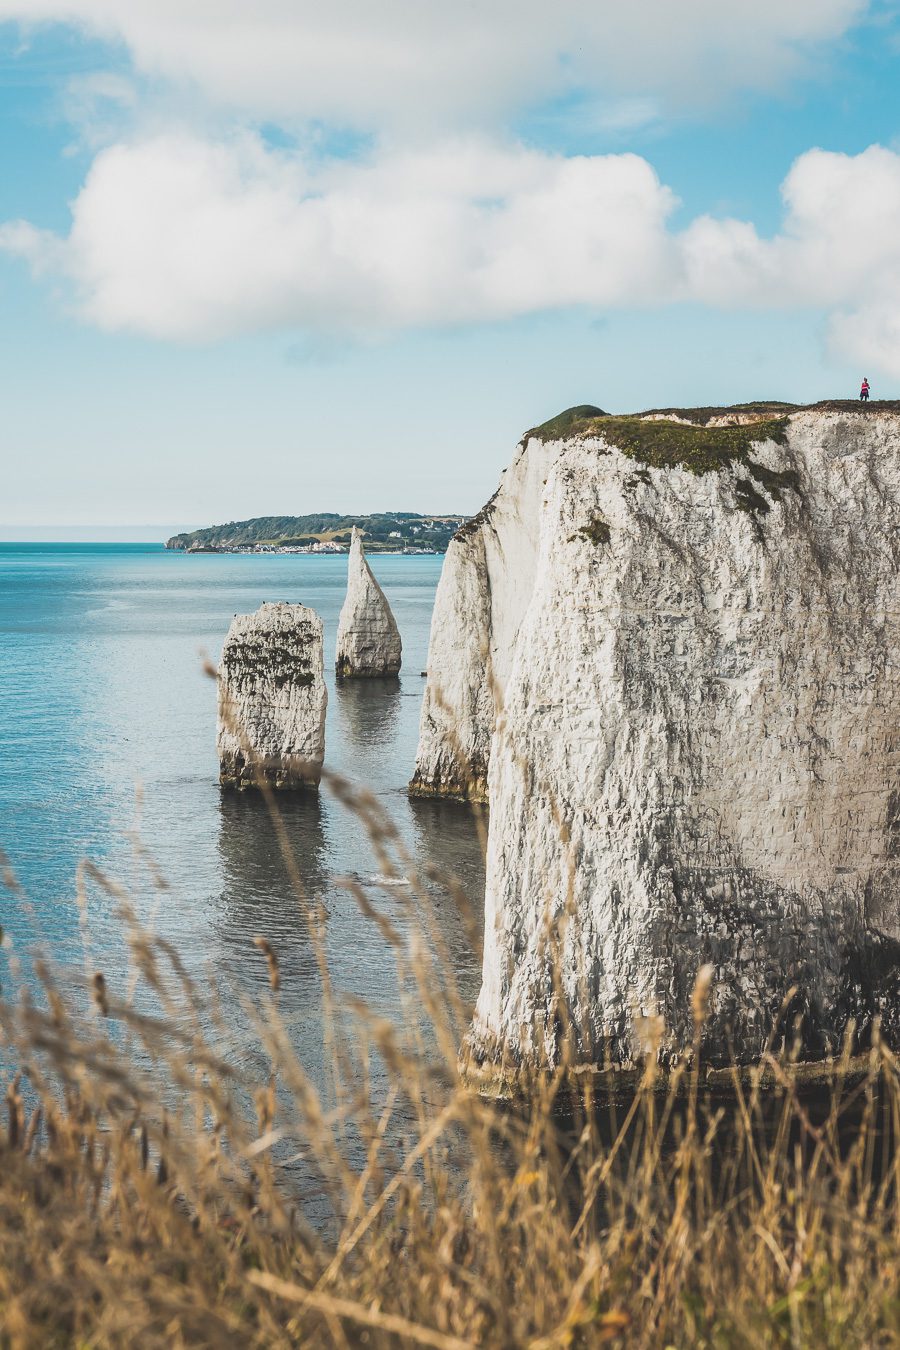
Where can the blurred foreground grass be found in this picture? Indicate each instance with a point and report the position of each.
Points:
(150, 1195)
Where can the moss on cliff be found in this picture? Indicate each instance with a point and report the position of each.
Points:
(775, 481)
(582, 419)
(664, 444)
(596, 531)
(474, 523)
(701, 449)
(692, 444)
(766, 409)
(749, 499)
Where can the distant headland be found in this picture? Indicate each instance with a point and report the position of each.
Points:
(326, 532)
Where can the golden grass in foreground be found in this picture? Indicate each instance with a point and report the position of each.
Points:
(151, 1196)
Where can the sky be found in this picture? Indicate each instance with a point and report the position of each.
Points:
(285, 257)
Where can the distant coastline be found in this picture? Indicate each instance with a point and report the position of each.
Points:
(326, 532)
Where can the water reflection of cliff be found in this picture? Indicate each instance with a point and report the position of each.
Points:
(449, 853)
(258, 897)
(368, 713)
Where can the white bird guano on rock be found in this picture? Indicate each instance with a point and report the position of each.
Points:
(668, 651)
(368, 640)
(272, 699)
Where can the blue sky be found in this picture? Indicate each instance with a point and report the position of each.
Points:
(290, 263)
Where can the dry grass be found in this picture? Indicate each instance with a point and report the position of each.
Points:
(151, 1196)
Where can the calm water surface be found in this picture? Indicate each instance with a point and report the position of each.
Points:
(102, 693)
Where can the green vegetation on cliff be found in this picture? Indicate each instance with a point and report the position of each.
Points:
(587, 420)
(683, 438)
(655, 439)
(701, 449)
(572, 422)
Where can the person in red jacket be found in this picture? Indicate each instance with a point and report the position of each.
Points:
(864, 392)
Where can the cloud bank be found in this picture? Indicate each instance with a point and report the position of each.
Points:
(412, 65)
(189, 235)
(181, 238)
(184, 238)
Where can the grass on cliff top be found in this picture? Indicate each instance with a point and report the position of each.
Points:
(771, 408)
(156, 1190)
(664, 444)
(569, 423)
(701, 449)
(691, 442)
(701, 416)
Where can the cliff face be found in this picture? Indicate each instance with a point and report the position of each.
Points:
(693, 743)
(484, 590)
(368, 640)
(272, 699)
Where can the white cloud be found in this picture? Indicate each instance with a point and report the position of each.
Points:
(184, 238)
(839, 250)
(181, 235)
(181, 238)
(839, 239)
(416, 64)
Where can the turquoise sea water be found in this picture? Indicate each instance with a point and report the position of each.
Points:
(107, 724)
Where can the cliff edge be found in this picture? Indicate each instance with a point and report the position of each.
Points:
(667, 652)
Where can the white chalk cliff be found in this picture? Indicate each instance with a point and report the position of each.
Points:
(486, 583)
(670, 654)
(272, 699)
(368, 640)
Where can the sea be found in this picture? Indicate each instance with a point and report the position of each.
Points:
(107, 756)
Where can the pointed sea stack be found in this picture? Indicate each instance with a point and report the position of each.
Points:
(272, 699)
(368, 642)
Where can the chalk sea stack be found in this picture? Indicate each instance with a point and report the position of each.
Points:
(272, 699)
(668, 653)
(368, 641)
